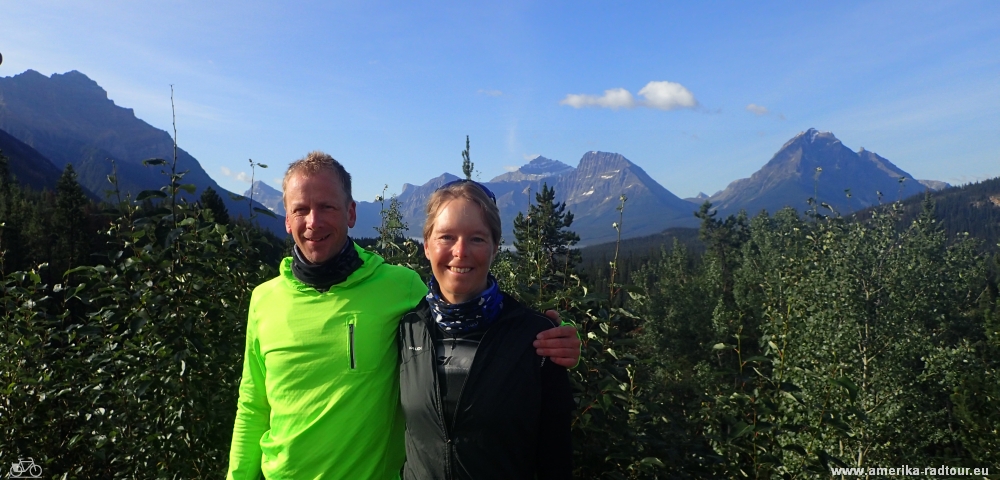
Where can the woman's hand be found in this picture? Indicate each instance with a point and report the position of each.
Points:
(561, 344)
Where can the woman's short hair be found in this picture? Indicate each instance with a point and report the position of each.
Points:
(472, 191)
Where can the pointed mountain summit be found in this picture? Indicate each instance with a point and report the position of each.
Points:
(267, 196)
(816, 164)
(69, 118)
(537, 169)
(698, 199)
(593, 193)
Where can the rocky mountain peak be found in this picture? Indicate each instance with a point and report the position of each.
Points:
(544, 166)
(594, 162)
(539, 167)
(810, 138)
(816, 164)
(70, 86)
(267, 196)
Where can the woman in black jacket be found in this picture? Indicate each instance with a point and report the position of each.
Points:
(479, 402)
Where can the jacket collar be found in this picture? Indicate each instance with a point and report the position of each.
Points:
(371, 262)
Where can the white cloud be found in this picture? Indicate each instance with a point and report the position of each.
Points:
(490, 93)
(510, 168)
(757, 109)
(243, 177)
(614, 99)
(227, 172)
(667, 96)
(660, 95)
(760, 111)
(277, 183)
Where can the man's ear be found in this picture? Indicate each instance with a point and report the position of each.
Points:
(352, 214)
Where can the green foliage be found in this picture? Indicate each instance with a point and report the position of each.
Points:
(129, 368)
(818, 343)
(392, 243)
(467, 165)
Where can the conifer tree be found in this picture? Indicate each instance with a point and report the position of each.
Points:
(70, 220)
(467, 164)
(544, 243)
(211, 200)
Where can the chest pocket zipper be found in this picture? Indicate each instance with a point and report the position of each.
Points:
(350, 345)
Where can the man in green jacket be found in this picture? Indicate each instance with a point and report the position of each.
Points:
(319, 397)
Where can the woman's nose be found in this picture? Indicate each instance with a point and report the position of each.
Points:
(459, 249)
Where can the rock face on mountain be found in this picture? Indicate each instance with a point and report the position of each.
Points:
(68, 118)
(591, 192)
(28, 167)
(267, 196)
(817, 165)
(537, 169)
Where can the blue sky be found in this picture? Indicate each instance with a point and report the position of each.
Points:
(697, 93)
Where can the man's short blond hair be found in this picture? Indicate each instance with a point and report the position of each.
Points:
(315, 162)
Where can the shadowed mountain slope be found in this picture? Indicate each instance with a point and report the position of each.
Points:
(69, 118)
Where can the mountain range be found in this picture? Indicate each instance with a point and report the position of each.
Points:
(48, 122)
(69, 119)
(591, 191)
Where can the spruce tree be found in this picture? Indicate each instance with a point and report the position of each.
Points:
(70, 220)
(467, 164)
(544, 242)
(211, 200)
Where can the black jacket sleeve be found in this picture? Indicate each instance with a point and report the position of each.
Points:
(554, 458)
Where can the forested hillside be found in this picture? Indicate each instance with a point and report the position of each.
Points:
(792, 345)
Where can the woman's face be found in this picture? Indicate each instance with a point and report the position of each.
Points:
(460, 250)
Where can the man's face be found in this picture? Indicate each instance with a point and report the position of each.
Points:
(318, 214)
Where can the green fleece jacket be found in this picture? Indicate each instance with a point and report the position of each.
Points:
(320, 391)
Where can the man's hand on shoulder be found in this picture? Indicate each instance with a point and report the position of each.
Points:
(561, 344)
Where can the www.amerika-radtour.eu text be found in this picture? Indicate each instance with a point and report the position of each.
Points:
(906, 470)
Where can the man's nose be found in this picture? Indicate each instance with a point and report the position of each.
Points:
(311, 219)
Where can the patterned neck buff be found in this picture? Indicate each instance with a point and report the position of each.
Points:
(471, 316)
(322, 276)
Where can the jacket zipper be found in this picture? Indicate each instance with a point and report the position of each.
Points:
(472, 365)
(350, 345)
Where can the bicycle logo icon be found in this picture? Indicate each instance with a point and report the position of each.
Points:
(25, 469)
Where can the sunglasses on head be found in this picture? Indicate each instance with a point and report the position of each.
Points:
(481, 186)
